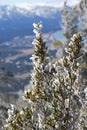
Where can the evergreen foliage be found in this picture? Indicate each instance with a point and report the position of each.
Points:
(54, 94)
(70, 18)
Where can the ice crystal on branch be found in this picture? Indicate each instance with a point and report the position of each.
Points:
(53, 95)
(62, 109)
(35, 88)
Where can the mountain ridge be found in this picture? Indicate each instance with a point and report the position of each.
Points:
(15, 21)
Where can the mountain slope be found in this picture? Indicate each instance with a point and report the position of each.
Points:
(15, 21)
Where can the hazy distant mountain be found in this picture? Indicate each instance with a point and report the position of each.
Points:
(15, 21)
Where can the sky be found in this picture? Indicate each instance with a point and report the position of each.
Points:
(34, 2)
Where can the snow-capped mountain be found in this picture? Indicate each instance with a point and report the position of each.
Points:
(28, 11)
(17, 21)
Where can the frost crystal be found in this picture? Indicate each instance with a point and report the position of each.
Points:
(53, 96)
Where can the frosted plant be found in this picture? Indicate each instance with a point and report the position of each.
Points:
(79, 15)
(70, 18)
(53, 95)
(65, 105)
(81, 123)
(19, 120)
(82, 8)
(29, 118)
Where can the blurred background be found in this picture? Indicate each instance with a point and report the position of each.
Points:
(61, 19)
